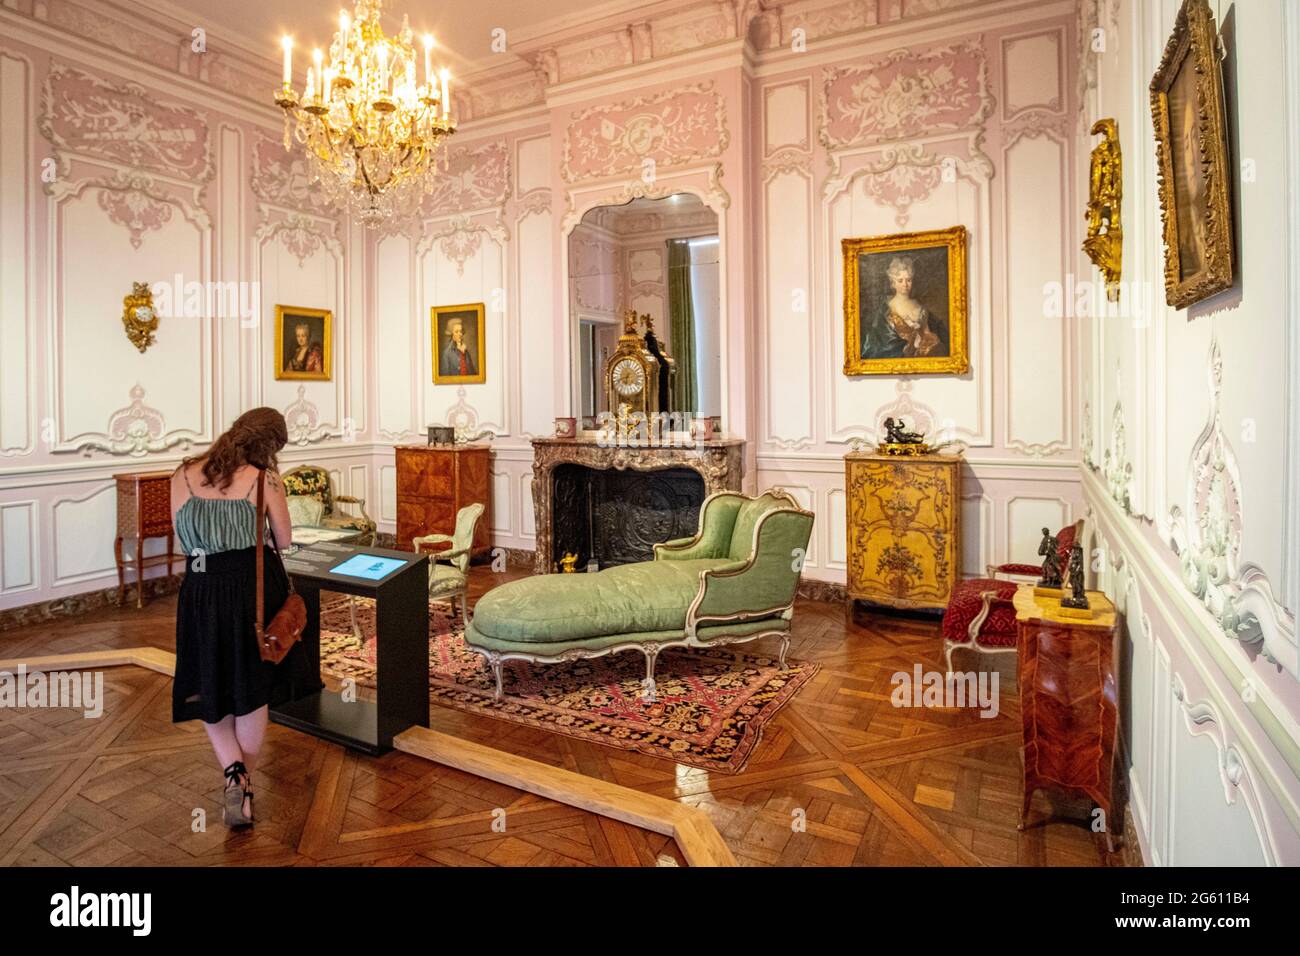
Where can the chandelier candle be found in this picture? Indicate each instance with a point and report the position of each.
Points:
(371, 134)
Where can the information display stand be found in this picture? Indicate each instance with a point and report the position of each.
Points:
(398, 583)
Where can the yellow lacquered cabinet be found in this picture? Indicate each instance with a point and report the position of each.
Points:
(904, 528)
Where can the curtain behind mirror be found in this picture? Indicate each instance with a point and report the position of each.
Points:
(681, 313)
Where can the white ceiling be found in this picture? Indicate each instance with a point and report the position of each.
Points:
(462, 26)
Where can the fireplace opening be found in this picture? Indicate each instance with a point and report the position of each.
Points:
(617, 516)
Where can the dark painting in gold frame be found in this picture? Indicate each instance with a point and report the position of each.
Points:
(906, 303)
(1187, 109)
(302, 343)
(459, 344)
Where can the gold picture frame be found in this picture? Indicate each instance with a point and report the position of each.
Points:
(448, 353)
(889, 344)
(309, 360)
(1187, 109)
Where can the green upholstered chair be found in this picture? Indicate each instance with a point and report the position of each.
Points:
(313, 481)
(449, 568)
(734, 581)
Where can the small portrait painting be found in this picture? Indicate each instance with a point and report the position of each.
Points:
(458, 344)
(1188, 111)
(905, 303)
(302, 343)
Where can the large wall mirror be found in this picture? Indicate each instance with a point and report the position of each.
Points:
(658, 257)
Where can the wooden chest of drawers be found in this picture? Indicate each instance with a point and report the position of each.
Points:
(433, 483)
(1069, 701)
(904, 528)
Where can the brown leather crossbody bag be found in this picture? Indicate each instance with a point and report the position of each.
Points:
(275, 639)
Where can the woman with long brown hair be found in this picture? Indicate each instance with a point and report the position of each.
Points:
(221, 678)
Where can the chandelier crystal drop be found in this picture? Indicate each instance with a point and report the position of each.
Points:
(372, 133)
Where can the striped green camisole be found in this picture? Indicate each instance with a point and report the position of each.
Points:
(210, 525)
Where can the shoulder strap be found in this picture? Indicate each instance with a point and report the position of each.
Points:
(185, 473)
(261, 537)
(261, 529)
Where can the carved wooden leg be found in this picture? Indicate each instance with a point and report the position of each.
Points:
(496, 672)
(121, 572)
(464, 607)
(139, 573)
(785, 646)
(651, 652)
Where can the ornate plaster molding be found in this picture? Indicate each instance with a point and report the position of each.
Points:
(135, 205)
(1202, 719)
(125, 125)
(677, 127)
(1239, 596)
(1115, 466)
(136, 430)
(302, 418)
(905, 94)
(303, 236)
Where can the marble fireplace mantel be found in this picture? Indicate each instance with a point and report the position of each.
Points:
(718, 461)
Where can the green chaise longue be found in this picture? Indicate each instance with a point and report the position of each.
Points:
(734, 581)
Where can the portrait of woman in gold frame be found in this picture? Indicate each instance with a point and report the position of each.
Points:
(459, 350)
(302, 343)
(1187, 109)
(906, 303)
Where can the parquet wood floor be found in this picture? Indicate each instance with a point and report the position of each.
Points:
(841, 777)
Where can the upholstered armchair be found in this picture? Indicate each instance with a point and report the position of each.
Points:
(312, 501)
(981, 614)
(449, 568)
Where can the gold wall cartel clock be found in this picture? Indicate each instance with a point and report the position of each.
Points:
(139, 317)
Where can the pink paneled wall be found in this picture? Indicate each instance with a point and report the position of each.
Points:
(797, 127)
(973, 126)
(119, 171)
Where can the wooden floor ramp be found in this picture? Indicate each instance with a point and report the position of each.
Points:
(694, 832)
(691, 828)
(150, 658)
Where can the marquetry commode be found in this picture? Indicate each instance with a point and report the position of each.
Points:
(904, 528)
(1069, 700)
(434, 482)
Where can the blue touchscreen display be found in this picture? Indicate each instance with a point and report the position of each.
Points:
(368, 566)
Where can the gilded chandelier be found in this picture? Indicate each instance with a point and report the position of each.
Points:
(372, 133)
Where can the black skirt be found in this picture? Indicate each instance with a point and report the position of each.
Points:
(218, 669)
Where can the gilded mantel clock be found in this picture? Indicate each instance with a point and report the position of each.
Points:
(632, 373)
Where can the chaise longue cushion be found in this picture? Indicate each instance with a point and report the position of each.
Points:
(646, 597)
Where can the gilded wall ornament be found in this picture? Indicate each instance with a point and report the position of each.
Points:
(1105, 242)
(138, 316)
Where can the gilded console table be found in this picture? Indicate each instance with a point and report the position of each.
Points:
(144, 510)
(718, 461)
(1068, 699)
(904, 528)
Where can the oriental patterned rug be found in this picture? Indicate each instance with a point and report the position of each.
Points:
(711, 707)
